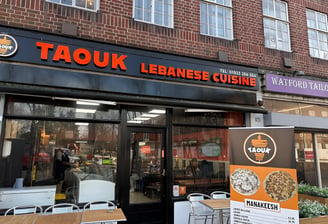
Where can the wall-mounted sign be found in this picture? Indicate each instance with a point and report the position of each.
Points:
(286, 84)
(56, 51)
(211, 149)
(145, 149)
(163, 69)
(8, 45)
(263, 185)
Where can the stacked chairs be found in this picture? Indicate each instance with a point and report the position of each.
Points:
(100, 205)
(19, 210)
(62, 208)
(222, 195)
(198, 210)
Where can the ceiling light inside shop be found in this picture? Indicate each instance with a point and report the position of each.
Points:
(135, 122)
(87, 103)
(189, 110)
(142, 143)
(294, 108)
(150, 115)
(81, 110)
(113, 103)
(142, 118)
(81, 123)
(157, 111)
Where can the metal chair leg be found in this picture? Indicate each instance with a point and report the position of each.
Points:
(228, 219)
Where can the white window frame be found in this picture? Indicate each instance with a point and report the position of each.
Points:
(278, 42)
(152, 19)
(219, 4)
(73, 5)
(321, 52)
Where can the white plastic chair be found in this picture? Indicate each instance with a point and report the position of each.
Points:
(100, 205)
(62, 208)
(18, 210)
(198, 210)
(222, 195)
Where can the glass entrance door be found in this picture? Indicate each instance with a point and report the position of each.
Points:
(146, 198)
(146, 167)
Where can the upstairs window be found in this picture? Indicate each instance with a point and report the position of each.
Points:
(318, 34)
(276, 25)
(216, 18)
(92, 5)
(158, 12)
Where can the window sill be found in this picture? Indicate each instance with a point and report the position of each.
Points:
(285, 51)
(318, 58)
(218, 37)
(150, 23)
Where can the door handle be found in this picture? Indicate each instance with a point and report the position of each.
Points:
(163, 172)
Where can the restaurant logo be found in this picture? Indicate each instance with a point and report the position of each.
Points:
(260, 148)
(8, 45)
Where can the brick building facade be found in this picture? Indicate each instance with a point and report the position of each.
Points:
(114, 23)
(208, 65)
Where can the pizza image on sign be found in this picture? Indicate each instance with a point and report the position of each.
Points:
(280, 186)
(245, 181)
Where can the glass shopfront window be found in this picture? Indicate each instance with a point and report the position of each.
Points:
(277, 106)
(200, 159)
(72, 154)
(201, 149)
(305, 160)
(208, 117)
(322, 149)
(146, 115)
(311, 147)
(57, 108)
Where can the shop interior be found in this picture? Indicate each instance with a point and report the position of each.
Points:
(74, 145)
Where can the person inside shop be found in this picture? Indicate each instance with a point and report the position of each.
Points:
(193, 169)
(61, 164)
(154, 165)
(135, 175)
(206, 169)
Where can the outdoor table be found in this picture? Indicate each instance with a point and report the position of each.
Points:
(217, 205)
(102, 215)
(18, 219)
(60, 218)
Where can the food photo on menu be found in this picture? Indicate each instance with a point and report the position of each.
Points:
(245, 181)
(260, 192)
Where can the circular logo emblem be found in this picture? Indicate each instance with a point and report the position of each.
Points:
(260, 148)
(8, 45)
